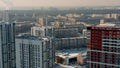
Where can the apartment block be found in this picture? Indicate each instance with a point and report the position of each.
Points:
(104, 48)
(34, 52)
(42, 31)
(69, 43)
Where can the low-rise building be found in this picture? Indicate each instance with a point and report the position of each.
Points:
(72, 57)
(69, 43)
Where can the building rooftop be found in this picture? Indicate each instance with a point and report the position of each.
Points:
(72, 37)
(107, 25)
(71, 53)
(32, 37)
(67, 66)
(1, 23)
(42, 27)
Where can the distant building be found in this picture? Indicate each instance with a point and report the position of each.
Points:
(64, 37)
(41, 31)
(84, 32)
(7, 45)
(107, 16)
(34, 52)
(104, 46)
(65, 32)
(69, 30)
(102, 21)
(79, 26)
(71, 20)
(69, 15)
(113, 15)
(41, 21)
(57, 24)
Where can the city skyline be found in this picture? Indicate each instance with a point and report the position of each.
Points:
(58, 3)
(83, 34)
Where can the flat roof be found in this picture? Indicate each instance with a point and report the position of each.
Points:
(72, 37)
(71, 53)
(42, 27)
(106, 25)
(32, 37)
(68, 66)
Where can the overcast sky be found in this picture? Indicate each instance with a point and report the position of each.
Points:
(61, 3)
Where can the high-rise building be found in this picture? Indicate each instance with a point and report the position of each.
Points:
(104, 49)
(88, 36)
(7, 45)
(34, 52)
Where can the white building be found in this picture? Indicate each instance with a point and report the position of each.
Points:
(34, 52)
(84, 32)
(71, 57)
(41, 31)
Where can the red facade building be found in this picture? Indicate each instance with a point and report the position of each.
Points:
(104, 48)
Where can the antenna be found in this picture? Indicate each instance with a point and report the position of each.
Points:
(5, 16)
(46, 22)
(8, 3)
